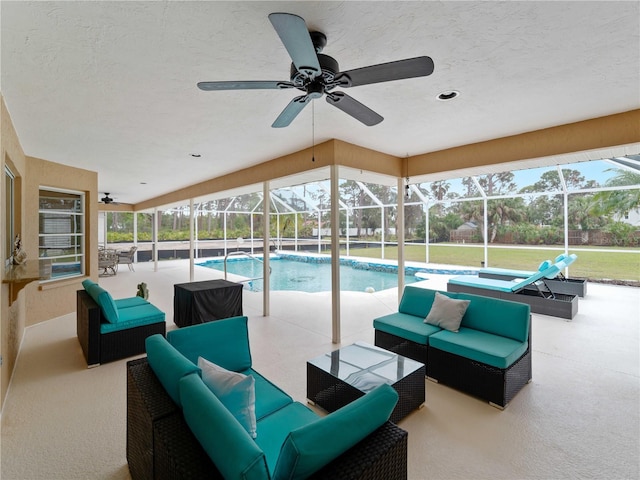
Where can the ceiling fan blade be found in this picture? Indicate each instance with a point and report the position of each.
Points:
(354, 108)
(291, 111)
(250, 85)
(386, 72)
(294, 34)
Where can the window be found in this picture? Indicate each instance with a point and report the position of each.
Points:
(61, 239)
(9, 213)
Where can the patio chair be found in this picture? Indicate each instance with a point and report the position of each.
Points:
(107, 261)
(126, 257)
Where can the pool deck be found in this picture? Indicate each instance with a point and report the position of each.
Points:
(578, 418)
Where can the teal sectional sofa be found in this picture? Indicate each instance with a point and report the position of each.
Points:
(489, 353)
(109, 329)
(177, 427)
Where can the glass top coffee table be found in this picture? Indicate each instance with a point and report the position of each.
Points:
(339, 377)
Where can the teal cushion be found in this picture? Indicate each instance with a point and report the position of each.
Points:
(269, 398)
(223, 342)
(87, 283)
(543, 266)
(406, 326)
(226, 442)
(148, 312)
(274, 429)
(484, 283)
(417, 301)
(168, 364)
(130, 302)
(129, 323)
(307, 449)
(105, 302)
(500, 317)
(494, 350)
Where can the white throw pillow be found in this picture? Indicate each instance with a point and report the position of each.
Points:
(236, 391)
(447, 312)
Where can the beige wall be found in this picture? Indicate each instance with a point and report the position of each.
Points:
(52, 299)
(12, 318)
(37, 302)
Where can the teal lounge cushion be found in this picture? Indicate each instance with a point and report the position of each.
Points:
(274, 429)
(307, 449)
(406, 326)
(227, 443)
(87, 282)
(235, 390)
(494, 350)
(130, 302)
(105, 302)
(269, 398)
(223, 342)
(168, 364)
(489, 283)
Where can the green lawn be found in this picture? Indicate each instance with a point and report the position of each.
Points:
(592, 265)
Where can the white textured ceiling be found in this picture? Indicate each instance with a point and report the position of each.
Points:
(111, 86)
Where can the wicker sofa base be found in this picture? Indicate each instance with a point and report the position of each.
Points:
(402, 346)
(107, 347)
(495, 385)
(160, 444)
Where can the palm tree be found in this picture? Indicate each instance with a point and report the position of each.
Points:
(618, 201)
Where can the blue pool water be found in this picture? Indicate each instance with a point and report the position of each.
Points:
(313, 274)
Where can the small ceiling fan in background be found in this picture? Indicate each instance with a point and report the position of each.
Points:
(318, 74)
(107, 200)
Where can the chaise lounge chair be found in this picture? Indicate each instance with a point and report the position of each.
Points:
(557, 284)
(532, 290)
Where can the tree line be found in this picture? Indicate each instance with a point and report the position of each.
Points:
(522, 215)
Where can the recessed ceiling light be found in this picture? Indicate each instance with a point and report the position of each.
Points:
(195, 155)
(448, 95)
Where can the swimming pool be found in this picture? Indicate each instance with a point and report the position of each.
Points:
(312, 274)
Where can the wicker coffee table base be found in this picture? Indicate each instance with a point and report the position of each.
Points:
(330, 393)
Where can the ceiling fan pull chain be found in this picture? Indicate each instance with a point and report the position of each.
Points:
(313, 131)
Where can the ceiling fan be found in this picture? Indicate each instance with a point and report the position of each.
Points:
(317, 74)
(106, 199)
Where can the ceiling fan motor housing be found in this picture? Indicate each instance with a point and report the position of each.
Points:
(329, 67)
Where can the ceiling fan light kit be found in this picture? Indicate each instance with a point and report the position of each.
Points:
(317, 74)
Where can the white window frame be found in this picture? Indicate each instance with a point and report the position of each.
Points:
(9, 179)
(80, 253)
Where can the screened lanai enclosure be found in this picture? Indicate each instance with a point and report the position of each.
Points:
(512, 219)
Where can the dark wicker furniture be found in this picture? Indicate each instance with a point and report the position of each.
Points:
(402, 346)
(160, 445)
(341, 376)
(106, 347)
(495, 385)
(541, 300)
